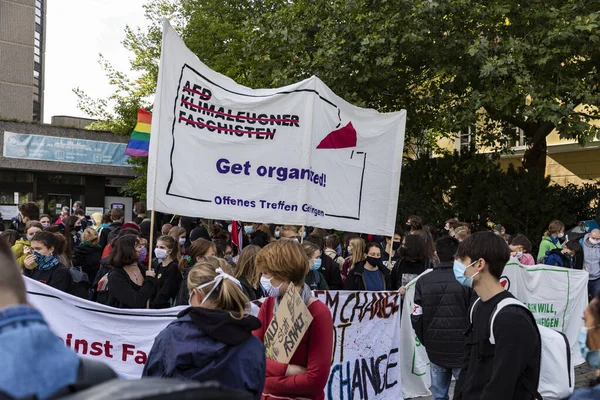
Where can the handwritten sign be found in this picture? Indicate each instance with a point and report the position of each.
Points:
(288, 326)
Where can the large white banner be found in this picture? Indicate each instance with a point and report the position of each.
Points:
(556, 296)
(365, 363)
(367, 354)
(299, 154)
(416, 376)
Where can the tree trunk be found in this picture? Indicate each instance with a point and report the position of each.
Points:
(534, 159)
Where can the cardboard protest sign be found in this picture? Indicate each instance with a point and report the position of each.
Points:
(287, 328)
(295, 155)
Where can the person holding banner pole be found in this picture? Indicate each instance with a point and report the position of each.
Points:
(212, 340)
(282, 264)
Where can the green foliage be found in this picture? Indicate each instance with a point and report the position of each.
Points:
(473, 188)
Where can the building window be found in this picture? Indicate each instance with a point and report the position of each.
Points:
(37, 61)
(515, 137)
(465, 138)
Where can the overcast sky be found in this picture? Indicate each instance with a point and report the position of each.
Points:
(76, 32)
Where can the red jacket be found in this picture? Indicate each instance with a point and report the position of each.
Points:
(313, 353)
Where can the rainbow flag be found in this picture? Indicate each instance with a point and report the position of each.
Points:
(139, 143)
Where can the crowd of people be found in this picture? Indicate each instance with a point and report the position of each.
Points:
(215, 268)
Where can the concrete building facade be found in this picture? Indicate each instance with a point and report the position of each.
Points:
(22, 48)
(55, 166)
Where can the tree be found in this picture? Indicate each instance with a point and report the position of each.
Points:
(118, 113)
(531, 65)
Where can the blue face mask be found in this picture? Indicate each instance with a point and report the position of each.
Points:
(249, 229)
(316, 265)
(459, 273)
(592, 357)
(45, 262)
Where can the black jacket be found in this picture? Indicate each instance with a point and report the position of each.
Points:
(406, 270)
(260, 239)
(105, 233)
(443, 318)
(497, 372)
(124, 293)
(88, 258)
(58, 277)
(167, 286)
(316, 281)
(331, 271)
(251, 293)
(356, 280)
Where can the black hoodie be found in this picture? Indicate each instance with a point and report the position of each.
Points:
(88, 258)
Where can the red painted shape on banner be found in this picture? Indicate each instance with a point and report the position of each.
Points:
(342, 138)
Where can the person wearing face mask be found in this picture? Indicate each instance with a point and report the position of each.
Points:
(550, 240)
(414, 223)
(212, 340)
(589, 344)
(415, 259)
(179, 234)
(22, 247)
(369, 274)
(356, 254)
(393, 247)
(128, 285)
(199, 249)
(315, 278)
(591, 260)
(166, 269)
(88, 253)
(510, 369)
(450, 226)
(45, 220)
(285, 263)
(566, 257)
(520, 247)
(441, 329)
(43, 265)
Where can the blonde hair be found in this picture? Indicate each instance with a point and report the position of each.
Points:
(310, 249)
(176, 232)
(246, 265)
(227, 295)
(358, 250)
(173, 245)
(97, 217)
(555, 226)
(90, 235)
(289, 229)
(461, 233)
(284, 259)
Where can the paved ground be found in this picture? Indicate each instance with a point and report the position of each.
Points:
(583, 375)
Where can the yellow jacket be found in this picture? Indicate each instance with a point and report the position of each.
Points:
(19, 251)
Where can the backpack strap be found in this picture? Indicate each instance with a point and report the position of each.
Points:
(509, 301)
(473, 309)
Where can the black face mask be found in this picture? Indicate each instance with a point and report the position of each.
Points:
(373, 261)
(396, 245)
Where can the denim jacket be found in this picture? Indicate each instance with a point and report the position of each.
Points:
(33, 361)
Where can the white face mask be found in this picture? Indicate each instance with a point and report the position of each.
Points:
(277, 234)
(561, 235)
(349, 250)
(182, 241)
(161, 254)
(269, 289)
(594, 242)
